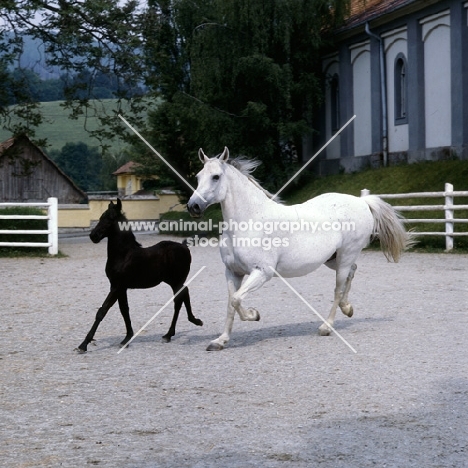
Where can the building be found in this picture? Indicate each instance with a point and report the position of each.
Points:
(27, 174)
(138, 203)
(402, 67)
(128, 182)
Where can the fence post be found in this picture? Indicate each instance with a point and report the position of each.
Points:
(52, 224)
(448, 217)
(365, 192)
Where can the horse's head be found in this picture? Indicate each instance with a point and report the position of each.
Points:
(107, 221)
(212, 183)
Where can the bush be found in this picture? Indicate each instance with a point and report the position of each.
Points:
(213, 214)
(22, 224)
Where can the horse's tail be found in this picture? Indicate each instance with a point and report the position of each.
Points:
(389, 228)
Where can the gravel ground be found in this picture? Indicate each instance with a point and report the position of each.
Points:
(279, 395)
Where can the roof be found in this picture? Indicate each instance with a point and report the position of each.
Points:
(7, 144)
(127, 168)
(358, 7)
(363, 11)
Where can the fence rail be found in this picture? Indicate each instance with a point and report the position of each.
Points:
(448, 208)
(52, 225)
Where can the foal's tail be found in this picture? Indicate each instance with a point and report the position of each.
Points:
(389, 228)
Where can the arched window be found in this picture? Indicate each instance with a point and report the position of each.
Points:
(335, 103)
(401, 87)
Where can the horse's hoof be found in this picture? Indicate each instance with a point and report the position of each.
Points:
(324, 331)
(125, 341)
(80, 351)
(347, 310)
(255, 314)
(166, 339)
(198, 322)
(213, 346)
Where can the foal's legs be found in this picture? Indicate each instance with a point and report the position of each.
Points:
(125, 311)
(101, 313)
(237, 293)
(182, 297)
(344, 277)
(188, 308)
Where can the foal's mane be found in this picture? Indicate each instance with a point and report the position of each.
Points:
(126, 233)
(246, 167)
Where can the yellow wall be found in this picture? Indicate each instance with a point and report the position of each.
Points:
(70, 216)
(81, 216)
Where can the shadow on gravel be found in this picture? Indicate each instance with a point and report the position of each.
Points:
(292, 330)
(239, 339)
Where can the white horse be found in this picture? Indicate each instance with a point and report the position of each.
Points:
(262, 237)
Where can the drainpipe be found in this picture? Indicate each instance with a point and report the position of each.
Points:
(383, 94)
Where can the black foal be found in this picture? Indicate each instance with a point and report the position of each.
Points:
(130, 266)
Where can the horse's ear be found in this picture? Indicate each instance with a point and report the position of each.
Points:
(225, 155)
(119, 204)
(203, 157)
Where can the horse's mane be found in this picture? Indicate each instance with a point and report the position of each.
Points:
(246, 167)
(127, 233)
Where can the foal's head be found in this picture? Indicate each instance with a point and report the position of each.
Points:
(107, 222)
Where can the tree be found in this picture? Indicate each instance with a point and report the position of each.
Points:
(101, 37)
(242, 74)
(81, 163)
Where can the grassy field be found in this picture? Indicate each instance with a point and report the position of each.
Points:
(59, 129)
(419, 177)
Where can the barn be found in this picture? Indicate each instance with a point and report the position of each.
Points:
(27, 174)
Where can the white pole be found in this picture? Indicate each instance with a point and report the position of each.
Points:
(313, 157)
(365, 192)
(448, 217)
(52, 224)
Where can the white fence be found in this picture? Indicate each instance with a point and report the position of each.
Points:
(448, 207)
(52, 225)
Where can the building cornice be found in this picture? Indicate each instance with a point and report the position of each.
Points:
(377, 17)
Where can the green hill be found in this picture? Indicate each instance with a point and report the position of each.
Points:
(405, 178)
(59, 129)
